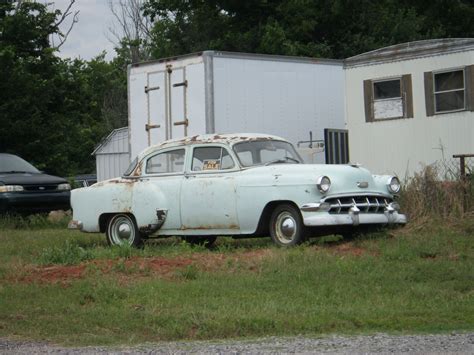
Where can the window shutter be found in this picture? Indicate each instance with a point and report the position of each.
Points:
(368, 101)
(429, 94)
(407, 95)
(469, 80)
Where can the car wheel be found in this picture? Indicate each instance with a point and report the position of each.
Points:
(122, 230)
(286, 226)
(207, 240)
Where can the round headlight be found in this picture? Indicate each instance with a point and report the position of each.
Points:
(323, 183)
(393, 185)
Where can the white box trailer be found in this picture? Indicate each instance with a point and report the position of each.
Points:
(223, 92)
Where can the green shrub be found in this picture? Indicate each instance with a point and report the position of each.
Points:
(68, 254)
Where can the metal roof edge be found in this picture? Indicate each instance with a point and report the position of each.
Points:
(242, 55)
(280, 58)
(105, 140)
(410, 50)
(169, 59)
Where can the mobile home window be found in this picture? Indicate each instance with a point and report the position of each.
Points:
(388, 102)
(449, 94)
(388, 98)
(387, 90)
(449, 90)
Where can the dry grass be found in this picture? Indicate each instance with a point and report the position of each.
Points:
(427, 197)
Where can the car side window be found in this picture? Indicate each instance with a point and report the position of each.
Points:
(211, 158)
(167, 162)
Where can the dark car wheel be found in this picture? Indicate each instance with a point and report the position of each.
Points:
(286, 226)
(122, 230)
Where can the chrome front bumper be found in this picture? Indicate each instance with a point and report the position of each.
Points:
(317, 214)
(354, 219)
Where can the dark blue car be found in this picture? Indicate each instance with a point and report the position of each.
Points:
(25, 189)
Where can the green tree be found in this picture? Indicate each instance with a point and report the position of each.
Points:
(53, 111)
(317, 28)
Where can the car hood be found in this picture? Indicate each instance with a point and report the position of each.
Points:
(345, 179)
(30, 179)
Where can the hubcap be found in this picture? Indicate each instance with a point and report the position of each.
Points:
(285, 227)
(122, 230)
(288, 227)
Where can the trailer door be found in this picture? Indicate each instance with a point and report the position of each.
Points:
(177, 102)
(155, 91)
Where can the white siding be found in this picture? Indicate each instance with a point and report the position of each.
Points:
(284, 98)
(112, 156)
(403, 146)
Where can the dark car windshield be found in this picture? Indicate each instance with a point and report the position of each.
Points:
(266, 152)
(13, 164)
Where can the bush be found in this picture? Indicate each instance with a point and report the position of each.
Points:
(68, 254)
(427, 196)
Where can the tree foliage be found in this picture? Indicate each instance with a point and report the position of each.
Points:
(53, 111)
(318, 28)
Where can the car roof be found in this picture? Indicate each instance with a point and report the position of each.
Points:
(229, 139)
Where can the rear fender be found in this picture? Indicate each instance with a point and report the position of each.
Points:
(149, 206)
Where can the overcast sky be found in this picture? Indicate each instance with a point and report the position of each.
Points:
(89, 36)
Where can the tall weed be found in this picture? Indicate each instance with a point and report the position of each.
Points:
(427, 196)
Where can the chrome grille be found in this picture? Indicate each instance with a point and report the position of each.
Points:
(366, 204)
(40, 188)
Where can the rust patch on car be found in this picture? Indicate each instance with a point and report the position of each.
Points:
(126, 181)
(138, 169)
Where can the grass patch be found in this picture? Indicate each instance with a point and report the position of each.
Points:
(68, 254)
(33, 222)
(384, 282)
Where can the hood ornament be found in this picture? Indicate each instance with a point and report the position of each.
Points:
(363, 184)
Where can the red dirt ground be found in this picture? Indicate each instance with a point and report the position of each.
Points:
(137, 267)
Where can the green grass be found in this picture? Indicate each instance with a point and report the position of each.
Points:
(384, 282)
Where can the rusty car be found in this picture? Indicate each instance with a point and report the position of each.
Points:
(237, 185)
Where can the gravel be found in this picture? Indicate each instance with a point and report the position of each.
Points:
(454, 343)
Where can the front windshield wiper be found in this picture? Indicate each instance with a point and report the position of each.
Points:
(282, 160)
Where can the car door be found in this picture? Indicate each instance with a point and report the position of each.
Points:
(159, 187)
(208, 198)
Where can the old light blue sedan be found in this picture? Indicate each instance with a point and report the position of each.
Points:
(237, 185)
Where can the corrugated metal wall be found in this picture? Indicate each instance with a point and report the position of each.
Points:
(113, 157)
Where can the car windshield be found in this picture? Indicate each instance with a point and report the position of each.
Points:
(266, 152)
(131, 167)
(12, 164)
